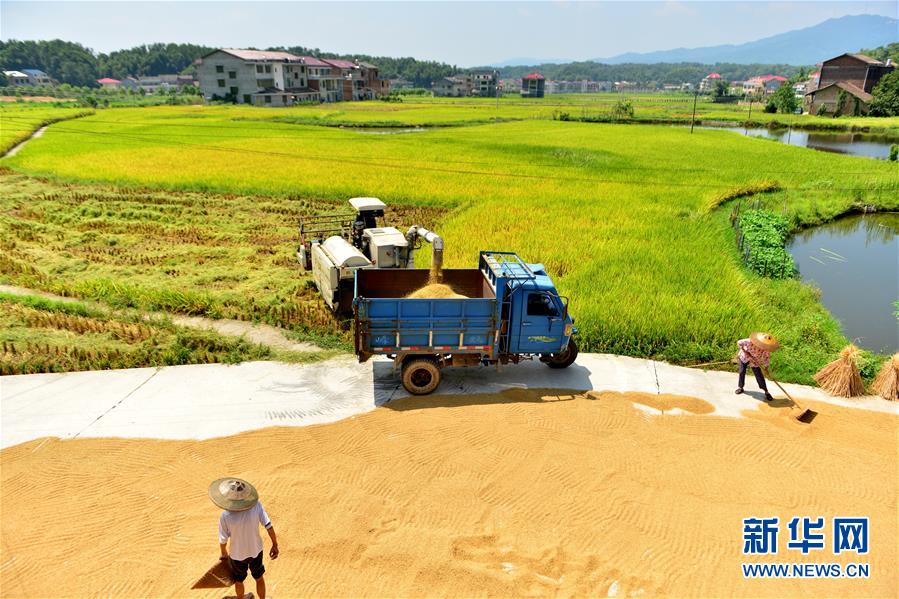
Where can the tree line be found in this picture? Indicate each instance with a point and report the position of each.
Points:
(72, 63)
(652, 75)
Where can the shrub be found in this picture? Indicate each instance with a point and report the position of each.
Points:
(822, 110)
(764, 237)
(894, 152)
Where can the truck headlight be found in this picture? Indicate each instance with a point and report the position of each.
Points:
(568, 330)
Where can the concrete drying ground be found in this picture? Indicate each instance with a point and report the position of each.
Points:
(214, 400)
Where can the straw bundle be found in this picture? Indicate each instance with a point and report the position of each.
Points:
(886, 384)
(841, 377)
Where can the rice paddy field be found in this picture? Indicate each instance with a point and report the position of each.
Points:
(25, 118)
(631, 221)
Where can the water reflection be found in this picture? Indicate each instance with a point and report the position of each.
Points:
(854, 261)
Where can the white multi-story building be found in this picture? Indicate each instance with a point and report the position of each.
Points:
(258, 77)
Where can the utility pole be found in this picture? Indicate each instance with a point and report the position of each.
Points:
(746, 129)
(693, 118)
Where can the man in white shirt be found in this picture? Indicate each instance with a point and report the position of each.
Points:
(240, 523)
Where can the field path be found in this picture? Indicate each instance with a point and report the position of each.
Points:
(214, 400)
(264, 334)
(16, 148)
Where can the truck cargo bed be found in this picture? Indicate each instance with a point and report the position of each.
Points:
(388, 322)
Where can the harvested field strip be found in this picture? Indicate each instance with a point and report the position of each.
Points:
(524, 493)
(220, 256)
(44, 335)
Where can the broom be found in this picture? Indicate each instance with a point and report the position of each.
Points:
(841, 377)
(886, 384)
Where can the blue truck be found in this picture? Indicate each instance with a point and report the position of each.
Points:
(510, 312)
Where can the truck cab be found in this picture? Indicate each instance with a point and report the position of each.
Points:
(539, 321)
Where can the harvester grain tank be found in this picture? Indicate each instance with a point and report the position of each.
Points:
(510, 311)
(335, 246)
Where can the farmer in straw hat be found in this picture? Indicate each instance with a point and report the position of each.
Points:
(755, 352)
(240, 522)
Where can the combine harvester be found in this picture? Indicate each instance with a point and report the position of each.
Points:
(504, 311)
(510, 311)
(335, 246)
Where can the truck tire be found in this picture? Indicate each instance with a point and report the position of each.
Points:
(421, 376)
(563, 359)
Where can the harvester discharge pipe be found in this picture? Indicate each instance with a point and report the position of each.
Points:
(436, 242)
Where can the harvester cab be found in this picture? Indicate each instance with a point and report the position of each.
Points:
(335, 246)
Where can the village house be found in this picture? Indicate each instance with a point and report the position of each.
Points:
(324, 78)
(109, 83)
(38, 77)
(845, 83)
(577, 87)
(359, 82)
(16, 78)
(763, 85)
(258, 77)
(457, 86)
(374, 86)
(401, 84)
(275, 78)
(483, 83)
(533, 85)
(164, 83)
(707, 85)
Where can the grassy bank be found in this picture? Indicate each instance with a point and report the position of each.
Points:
(623, 217)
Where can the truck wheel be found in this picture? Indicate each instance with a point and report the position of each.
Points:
(563, 359)
(420, 377)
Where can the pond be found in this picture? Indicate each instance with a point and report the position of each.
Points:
(854, 261)
(869, 145)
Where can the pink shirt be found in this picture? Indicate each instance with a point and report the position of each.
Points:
(752, 354)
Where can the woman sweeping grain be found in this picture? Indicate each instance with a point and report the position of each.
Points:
(756, 352)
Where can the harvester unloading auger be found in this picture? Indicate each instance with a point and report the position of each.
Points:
(335, 246)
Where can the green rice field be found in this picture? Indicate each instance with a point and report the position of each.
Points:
(631, 221)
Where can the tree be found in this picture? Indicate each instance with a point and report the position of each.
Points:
(886, 96)
(784, 99)
(721, 89)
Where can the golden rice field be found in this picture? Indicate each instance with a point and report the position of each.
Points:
(623, 216)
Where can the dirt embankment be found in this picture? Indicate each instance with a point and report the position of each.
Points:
(524, 493)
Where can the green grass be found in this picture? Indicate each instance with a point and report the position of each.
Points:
(43, 335)
(624, 217)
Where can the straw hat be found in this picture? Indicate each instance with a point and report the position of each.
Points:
(233, 494)
(764, 341)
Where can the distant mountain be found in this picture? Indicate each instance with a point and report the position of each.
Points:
(798, 47)
(517, 62)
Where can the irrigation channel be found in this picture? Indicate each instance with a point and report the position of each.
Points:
(868, 145)
(853, 261)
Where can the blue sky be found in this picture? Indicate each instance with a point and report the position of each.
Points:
(462, 33)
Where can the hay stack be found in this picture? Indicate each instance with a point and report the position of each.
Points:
(886, 384)
(435, 291)
(841, 377)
